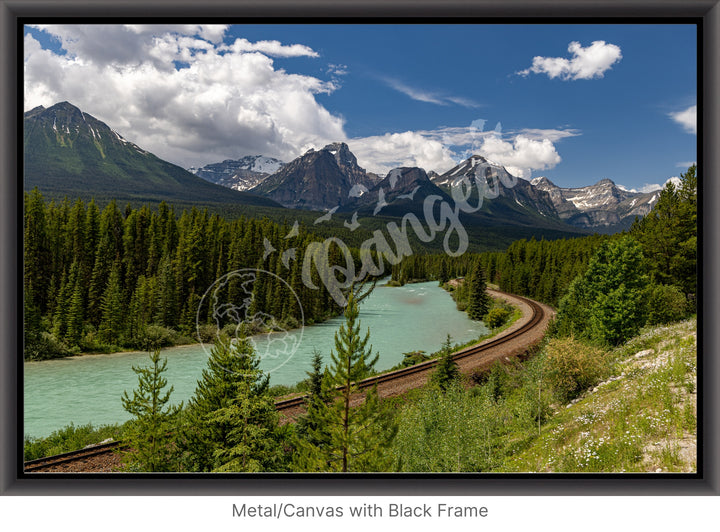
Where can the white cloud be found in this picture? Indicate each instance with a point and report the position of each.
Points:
(382, 153)
(521, 155)
(225, 101)
(652, 187)
(586, 63)
(685, 164)
(553, 135)
(687, 119)
(443, 148)
(273, 48)
(422, 95)
(337, 70)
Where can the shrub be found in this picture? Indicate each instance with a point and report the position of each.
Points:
(45, 346)
(207, 333)
(157, 336)
(412, 358)
(496, 317)
(572, 367)
(666, 304)
(70, 438)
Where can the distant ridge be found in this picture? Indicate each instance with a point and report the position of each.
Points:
(70, 152)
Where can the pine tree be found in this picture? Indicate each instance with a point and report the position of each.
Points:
(150, 430)
(352, 439)
(478, 299)
(112, 325)
(668, 235)
(447, 373)
(319, 394)
(228, 409)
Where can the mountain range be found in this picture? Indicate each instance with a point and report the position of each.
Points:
(69, 152)
(240, 174)
(603, 204)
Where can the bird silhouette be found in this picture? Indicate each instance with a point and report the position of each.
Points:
(287, 256)
(357, 190)
(352, 224)
(268, 248)
(410, 194)
(393, 176)
(381, 202)
(326, 217)
(294, 231)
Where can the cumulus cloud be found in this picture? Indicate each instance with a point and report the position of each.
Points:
(687, 119)
(382, 153)
(443, 148)
(422, 95)
(586, 63)
(521, 155)
(652, 187)
(180, 93)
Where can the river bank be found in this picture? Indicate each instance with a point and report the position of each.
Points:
(87, 389)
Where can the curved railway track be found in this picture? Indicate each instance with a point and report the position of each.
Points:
(61, 462)
(537, 317)
(57, 461)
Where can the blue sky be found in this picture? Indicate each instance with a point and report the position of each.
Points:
(576, 103)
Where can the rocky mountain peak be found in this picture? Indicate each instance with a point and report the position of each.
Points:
(602, 205)
(605, 182)
(543, 183)
(241, 174)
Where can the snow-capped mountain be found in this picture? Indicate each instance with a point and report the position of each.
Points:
(240, 174)
(515, 189)
(603, 204)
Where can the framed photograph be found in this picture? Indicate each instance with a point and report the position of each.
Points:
(349, 247)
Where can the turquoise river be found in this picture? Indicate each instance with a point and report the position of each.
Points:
(87, 389)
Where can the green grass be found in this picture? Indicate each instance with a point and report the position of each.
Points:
(70, 438)
(639, 422)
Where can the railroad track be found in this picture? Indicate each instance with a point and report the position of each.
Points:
(538, 314)
(51, 462)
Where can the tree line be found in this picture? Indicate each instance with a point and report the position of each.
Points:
(605, 286)
(99, 280)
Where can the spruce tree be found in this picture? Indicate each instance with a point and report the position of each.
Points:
(308, 426)
(446, 373)
(112, 326)
(229, 409)
(152, 427)
(352, 439)
(252, 442)
(478, 299)
(76, 309)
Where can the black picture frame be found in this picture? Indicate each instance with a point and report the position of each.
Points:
(705, 12)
